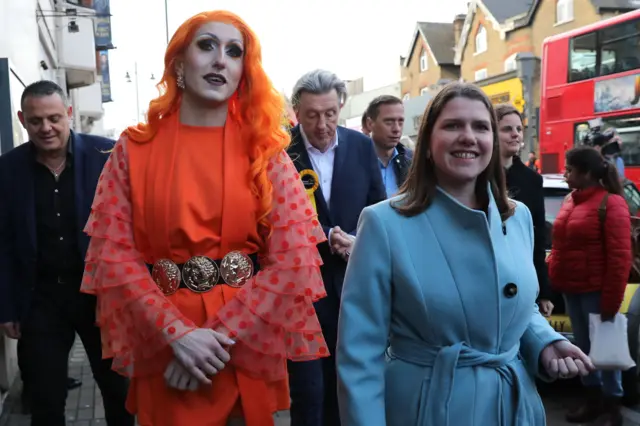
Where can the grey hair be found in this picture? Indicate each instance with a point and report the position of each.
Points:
(319, 82)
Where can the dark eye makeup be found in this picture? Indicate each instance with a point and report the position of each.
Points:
(209, 43)
(234, 51)
(206, 44)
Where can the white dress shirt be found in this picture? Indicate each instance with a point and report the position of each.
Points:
(322, 163)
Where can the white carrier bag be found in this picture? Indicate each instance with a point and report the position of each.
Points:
(609, 344)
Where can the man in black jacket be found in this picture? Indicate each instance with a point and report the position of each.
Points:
(385, 119)
(47, 187)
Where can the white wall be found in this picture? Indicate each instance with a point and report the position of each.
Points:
(27, 37)
(47, 35)
(50, 73)
(354, 123)
(19, 39)
(356, 105)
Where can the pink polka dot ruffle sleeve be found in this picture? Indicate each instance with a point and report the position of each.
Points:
(272, 317)
(135, 318)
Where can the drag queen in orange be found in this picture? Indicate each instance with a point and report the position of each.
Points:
(203, 252)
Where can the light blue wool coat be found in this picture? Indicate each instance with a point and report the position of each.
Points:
(462, 352)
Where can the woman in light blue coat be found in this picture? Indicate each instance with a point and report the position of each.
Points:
(438, 324)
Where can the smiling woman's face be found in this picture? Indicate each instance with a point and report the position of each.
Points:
(212, 65)
(461, 142)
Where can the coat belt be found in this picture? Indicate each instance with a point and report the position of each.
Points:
(444, 361)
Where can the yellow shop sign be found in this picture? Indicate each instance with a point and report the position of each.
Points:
(507, 91)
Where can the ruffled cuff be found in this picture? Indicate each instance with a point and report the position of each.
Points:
(272, 317)
(136, 320)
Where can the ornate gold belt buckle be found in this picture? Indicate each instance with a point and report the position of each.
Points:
(200, 274)
(166, 275)
(236, 268)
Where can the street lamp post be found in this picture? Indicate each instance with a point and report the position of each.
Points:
(135, 80)
(166, 20)
(528, 66)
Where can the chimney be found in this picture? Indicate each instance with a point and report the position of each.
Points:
(458, 23)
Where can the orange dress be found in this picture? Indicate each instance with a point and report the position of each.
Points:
(186, 193)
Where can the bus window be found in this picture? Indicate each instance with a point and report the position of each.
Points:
(620, 46)
(581, 131)
(629, 130)
(583, 57)
(607, 62)
(630, 137)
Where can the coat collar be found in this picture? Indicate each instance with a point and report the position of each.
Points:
(402, 150)
(581, 195)
(300, 157)
(459, 211)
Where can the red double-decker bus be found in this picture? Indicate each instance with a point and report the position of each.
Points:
(592, 72)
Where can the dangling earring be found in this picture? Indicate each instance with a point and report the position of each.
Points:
(180, 80)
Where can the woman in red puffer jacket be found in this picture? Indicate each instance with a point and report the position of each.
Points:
(590, 263)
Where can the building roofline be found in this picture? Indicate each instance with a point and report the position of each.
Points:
(466, 27)
(510, 24)
(414, 40)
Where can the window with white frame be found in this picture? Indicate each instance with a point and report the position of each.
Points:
(564, 11)
(510, 63)
(481, 40)
(481, 74)
(424, 91)
(424, 63)
(406, 97)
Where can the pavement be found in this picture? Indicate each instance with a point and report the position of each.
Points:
(84, 405)
(559, 397)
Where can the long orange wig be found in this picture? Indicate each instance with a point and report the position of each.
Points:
(256, 106)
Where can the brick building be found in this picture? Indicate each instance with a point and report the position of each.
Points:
(495, 31)
(429, 62)
(482, 45)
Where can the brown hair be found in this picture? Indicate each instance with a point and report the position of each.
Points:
(586, 159)
(374, 106)
(420, 186)
(363, 120)
(502, 110)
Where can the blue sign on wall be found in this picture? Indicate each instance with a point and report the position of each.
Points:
(103, 24)
(103, 68)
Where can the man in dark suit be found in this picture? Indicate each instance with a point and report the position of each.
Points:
(385, 119)
(342, 167)
(47, 187)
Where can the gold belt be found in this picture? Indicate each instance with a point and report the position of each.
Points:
(201, 273)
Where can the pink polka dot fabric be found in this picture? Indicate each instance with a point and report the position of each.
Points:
(271, 317)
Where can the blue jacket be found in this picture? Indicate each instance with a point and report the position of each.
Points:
(402, 164)
(453, 295)
(18, 245)
(356, 184)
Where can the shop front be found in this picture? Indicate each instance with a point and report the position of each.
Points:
(504, 88)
